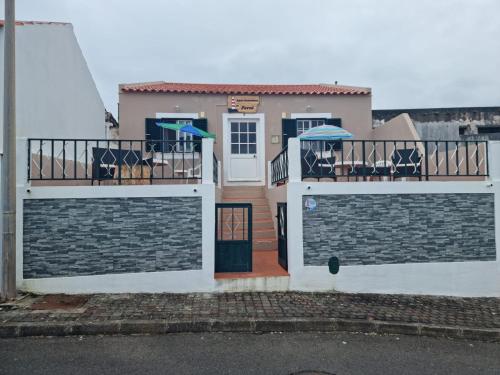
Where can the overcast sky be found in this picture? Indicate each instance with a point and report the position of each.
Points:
(412, 53)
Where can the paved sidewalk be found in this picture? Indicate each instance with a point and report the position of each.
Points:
(251, 312)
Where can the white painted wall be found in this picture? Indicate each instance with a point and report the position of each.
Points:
(455, 279)
(56, 94)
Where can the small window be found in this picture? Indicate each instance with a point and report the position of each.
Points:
(243, 137)
(304, 125)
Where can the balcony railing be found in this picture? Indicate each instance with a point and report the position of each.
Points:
(381, 160)
(115, 162)
(391, 160)
(279, 167)
(215, 169)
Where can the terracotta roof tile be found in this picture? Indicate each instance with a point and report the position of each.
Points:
(245, 89)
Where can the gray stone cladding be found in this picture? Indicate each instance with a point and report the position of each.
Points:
(74, 237)
(399, 228)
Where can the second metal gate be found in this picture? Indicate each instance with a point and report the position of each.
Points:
(233, 237)
(282, 236)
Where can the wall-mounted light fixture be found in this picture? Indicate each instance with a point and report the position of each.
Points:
(177, 108)
(308, 108)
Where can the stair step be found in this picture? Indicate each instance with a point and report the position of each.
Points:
(259, 215)
(263, 225)
(263, 244)
(243, 192)
(266, 233)
(253, 201)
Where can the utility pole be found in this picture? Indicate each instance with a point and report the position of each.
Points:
(9, 157)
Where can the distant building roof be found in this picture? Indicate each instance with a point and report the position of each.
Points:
(245, 89)
(23, 23)
(109, 118)
(440, 114)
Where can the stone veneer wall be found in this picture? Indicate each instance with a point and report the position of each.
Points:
(74, 237)
(399, 228)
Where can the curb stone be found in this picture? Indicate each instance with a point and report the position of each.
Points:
(128, 327)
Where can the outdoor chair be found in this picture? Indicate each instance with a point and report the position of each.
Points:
(359, 170)
(106, 162)
(382, 169)
(406, 163)
(316, 167)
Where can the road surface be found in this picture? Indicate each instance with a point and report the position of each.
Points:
(332, 353)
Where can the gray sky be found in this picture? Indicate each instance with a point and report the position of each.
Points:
(417, 53)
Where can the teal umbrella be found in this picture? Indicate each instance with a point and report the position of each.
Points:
(186, 129)
(325, 133)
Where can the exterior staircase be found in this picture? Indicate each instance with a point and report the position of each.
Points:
(263, 234)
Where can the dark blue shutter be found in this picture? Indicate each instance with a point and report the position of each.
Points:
(288, 130)
(337, 122)
(153, 133)
(202, 124)
(334, 121)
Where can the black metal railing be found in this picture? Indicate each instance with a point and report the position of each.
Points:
(391, 160)
(279, 167)
(216, 169)
(118, 161)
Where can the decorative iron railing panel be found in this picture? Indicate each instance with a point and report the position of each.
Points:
(118, 161)
(233, 237)
(216, 169)
(390, 160)
(279, 167)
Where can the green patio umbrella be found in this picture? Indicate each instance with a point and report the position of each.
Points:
(186, 129)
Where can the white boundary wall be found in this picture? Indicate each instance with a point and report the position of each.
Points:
(480, 278)
(171, 281)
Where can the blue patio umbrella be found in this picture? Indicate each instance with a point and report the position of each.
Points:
(325, 133)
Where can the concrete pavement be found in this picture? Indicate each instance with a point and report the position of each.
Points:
(62, 315)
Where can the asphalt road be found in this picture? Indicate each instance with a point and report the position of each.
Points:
(338, 353)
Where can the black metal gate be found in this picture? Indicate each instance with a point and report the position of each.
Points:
(233, 237)
(282, 240)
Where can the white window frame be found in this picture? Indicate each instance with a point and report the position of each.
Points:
(186, 137)
(309, 120)
(309, 116)
(247, 143)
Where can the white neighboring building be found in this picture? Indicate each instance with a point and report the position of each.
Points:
(56, 96)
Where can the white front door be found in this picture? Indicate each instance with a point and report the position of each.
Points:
(243, 149)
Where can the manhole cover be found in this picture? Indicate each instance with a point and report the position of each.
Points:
(59, 302)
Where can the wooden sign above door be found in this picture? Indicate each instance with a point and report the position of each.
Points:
(243, 104)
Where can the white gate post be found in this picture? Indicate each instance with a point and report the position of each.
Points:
(294, 165)
(494, 160)
(294, 212)
(207, 167)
